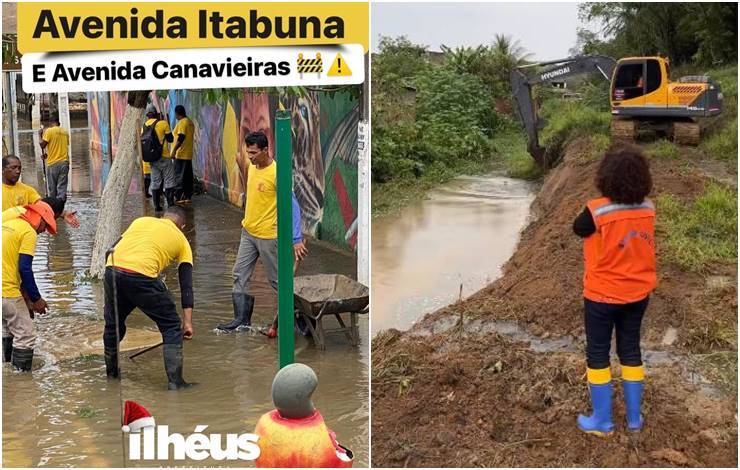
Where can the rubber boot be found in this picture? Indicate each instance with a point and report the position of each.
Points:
(147, 182)
(243, 307)
(173, 366)
(633, 401)
(111, 364)
(157, 200)
(169, 195)
(7, 348)
(22, 359)
(600, 422)
(633, 380)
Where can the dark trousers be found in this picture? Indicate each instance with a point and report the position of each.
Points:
(149, 295)
(184, 176)
(601, 319)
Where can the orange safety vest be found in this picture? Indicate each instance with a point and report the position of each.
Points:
(291, 443)
(620, 256)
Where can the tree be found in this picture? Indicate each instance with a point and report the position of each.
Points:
(109, 226)
(704, 33)
(505, 54)
(464, 59)
(396, 62)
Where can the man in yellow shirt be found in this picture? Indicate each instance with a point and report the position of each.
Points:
(182, 152)
(162, 169)
(259, 230)
(133, 265)
(19, 247)
(55, 141)
(17, 194)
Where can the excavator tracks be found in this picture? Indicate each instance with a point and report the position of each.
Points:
(624, 130)
(686, 133)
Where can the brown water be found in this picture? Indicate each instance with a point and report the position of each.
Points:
(66, 413)
(461, 234)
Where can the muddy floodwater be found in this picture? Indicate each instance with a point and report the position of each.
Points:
(67, 413)
(460, 235)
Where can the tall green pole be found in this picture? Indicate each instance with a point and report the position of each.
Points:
(284, 157)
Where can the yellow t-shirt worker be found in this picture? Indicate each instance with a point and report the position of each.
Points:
(16, 193)
(259, 229)
(19, 247)
(55, 144)
(144, 250)
(182, 151)
(162, 171)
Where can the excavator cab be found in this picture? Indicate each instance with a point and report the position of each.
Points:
(639, 81)
(643, 96)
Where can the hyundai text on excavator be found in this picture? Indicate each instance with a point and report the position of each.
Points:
(642, 97)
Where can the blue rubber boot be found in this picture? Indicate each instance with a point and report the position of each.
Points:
(633, 401)
(633, 381)
(600, 422)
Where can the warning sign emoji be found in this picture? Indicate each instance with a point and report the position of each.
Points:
(339, 68)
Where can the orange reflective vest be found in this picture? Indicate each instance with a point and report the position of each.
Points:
(291, 443)
(620, 256)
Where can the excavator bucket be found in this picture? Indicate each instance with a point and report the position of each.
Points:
(538, 153)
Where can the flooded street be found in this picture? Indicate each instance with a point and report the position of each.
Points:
(462, 234)
(67, 413)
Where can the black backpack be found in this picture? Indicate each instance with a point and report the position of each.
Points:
(151, 147)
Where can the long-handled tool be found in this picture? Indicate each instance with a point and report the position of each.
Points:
(150, 348)
(43, 168)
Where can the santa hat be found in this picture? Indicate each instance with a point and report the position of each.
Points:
(136, 417)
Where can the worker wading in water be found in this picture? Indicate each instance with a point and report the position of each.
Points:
(259, 230)
(135, 262)
(21, 296)
(619, 274)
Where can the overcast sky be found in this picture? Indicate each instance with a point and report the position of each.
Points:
(547, 30)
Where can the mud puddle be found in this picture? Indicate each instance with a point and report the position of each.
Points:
(447, 246)
(510, 330)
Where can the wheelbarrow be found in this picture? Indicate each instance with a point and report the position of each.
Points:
(320, 295)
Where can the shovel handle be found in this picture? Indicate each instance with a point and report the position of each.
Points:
(145, 350)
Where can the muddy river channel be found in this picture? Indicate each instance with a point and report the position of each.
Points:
(449, 245)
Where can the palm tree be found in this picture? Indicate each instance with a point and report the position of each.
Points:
(464, 59)
(509, 52)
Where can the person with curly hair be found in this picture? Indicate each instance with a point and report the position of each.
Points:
(619, 274)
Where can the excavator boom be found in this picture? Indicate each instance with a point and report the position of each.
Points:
(521, 87)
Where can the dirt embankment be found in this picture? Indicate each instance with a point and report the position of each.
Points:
(443, 395)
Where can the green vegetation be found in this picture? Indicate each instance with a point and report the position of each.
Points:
(89, 357)
(702, 232)
(88, 411)
(723, 144)
(663, 149)
(569, 120)
(511, 145)
(698, 33)
(434, 118)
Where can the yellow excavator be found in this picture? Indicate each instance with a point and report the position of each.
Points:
(642, 97)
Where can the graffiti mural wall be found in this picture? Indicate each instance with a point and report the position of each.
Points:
(324, 150)
(98, 110)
